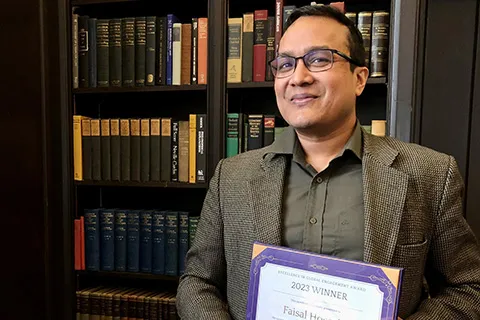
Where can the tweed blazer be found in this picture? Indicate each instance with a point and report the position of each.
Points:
(413, 219)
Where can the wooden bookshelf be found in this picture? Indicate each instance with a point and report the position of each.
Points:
(127, 275)
(151, 184)
(197, 87)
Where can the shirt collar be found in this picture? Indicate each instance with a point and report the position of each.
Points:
(288, 143)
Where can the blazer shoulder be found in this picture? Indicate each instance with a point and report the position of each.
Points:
(244, 165)
(415, 157)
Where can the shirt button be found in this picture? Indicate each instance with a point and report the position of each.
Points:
(319, 180)
(313, 220)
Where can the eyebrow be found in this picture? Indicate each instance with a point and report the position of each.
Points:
(290, 53)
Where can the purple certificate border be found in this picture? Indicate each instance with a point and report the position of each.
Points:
(361, 272)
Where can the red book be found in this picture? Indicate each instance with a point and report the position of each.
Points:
(260, 45)
(78, 252)
(82, 242)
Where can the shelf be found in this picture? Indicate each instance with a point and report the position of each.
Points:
(265, 84)
(269, 84)
(87, 2)
(155, 184)
(127, 275)
(194, 87)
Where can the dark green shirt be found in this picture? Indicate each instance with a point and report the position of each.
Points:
(323, 211)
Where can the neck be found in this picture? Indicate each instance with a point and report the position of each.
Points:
(320, 149)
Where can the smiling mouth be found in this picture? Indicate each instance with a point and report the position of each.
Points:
(302, 98)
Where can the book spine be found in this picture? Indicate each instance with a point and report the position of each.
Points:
(105, 150)
(77, 148)
(270, 55)
(133, 241)
(183, 151)
(115, 147)
(171, 263)
(192, 146)
(146, 241)
(125, 149)
(232, 134)
(166, 153)
(201, 165)
(107, 235)
(140, 45)
(234, 52)
(92, 53)
(176, 53)
(278, 23)
(155, 148)
(145, 150)
(175, 129)
(194, 50)
(255, 131)
(92, 240)
(186, 59)
(83, 52)
(120, 240)
(171, 19)
(202, 50)
(96, 150)
(128, 52)
(268, 130)
(287, 11)
(75, 51)
(380, 31)
(183, 218)
(135, 149)
(150, 52)
(115, 52)
(365, 28)
(260, 45)
(158, 234)
(161, 50)
(103, 55)
(247, 47)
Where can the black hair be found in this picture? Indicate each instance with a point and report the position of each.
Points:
(354, 41)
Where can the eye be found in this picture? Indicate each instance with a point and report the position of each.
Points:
(319, 60)
(284, 65)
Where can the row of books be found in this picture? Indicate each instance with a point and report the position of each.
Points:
(253, 41)
(146, 241)
(249, 132)
(159, 149)
(375, 28)
(253, 131)
(125, 303)
(138, 51)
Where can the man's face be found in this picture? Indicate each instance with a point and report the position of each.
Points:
(318, 100)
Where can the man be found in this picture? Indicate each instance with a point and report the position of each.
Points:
(327, 186)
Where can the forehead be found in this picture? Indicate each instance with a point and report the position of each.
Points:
(312, 31)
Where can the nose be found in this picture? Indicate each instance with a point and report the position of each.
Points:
(301, 76)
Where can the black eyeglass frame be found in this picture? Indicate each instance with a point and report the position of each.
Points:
(333, 51)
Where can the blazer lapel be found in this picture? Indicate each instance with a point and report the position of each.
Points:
(385, 190)
(266, 191)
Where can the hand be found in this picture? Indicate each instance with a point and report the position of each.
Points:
(400, 318)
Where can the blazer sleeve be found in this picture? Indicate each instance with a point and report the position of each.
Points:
(453, 265)
(201, 292)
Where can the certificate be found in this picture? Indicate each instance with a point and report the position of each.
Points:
(287, 284)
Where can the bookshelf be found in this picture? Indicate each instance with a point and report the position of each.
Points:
(215, 100)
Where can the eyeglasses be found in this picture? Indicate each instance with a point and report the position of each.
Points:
(317, 60)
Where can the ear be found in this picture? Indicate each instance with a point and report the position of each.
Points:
(361, 77)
